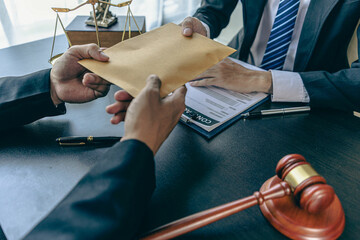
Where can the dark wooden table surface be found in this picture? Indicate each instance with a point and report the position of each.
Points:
(193, 173)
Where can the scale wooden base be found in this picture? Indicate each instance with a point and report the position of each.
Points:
(296, 223)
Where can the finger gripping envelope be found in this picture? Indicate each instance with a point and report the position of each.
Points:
(176, 59)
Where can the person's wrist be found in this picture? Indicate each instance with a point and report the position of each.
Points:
(144, 140)
(207, 28)
(53, 90)
(54, 96)
(265, 82)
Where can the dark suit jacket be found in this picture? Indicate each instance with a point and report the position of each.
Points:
(26, 99)
(109, 202)
(321, 57)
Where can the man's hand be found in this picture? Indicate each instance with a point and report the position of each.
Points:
(71, 82)
(149, 118)
(191, 25)
(230, 75)
(119, 108)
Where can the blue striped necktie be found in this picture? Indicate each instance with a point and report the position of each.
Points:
(280, 36)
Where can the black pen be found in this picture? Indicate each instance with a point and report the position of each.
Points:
(281, 111)
(80, 141)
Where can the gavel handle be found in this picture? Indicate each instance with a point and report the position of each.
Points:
(201, 219)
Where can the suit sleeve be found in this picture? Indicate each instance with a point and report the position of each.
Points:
(26, 99)
(339, 90)
(216, 14)
(109, 202)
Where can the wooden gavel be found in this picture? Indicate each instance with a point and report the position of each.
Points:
(310, 191)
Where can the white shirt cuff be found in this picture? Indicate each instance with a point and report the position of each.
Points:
(207, 29)
(288, 87)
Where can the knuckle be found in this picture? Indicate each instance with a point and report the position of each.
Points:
(204, 82)
(188, 21)
(93, 46)
(72, 49)
(195, 83)
(192, 19)
(151, 92)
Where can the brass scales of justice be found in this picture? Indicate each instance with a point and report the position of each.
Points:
(100, 17)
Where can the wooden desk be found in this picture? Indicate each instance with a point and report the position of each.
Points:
(193, 174)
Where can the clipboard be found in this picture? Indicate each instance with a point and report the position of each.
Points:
(196, 118)
(222, 127)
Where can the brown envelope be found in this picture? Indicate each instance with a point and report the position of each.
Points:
(165, 52)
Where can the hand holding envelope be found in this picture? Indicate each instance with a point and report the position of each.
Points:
(165, 52)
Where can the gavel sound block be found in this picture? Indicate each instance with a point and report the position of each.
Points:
(313, 211)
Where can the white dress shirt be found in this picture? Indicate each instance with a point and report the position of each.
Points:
(287, 85)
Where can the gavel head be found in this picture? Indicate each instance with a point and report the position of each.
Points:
(309, 188)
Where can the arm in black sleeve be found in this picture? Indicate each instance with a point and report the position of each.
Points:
(26, 99)
(109, 202)
(340, 90)
(216, 14)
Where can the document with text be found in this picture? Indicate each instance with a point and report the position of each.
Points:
(209, 108)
